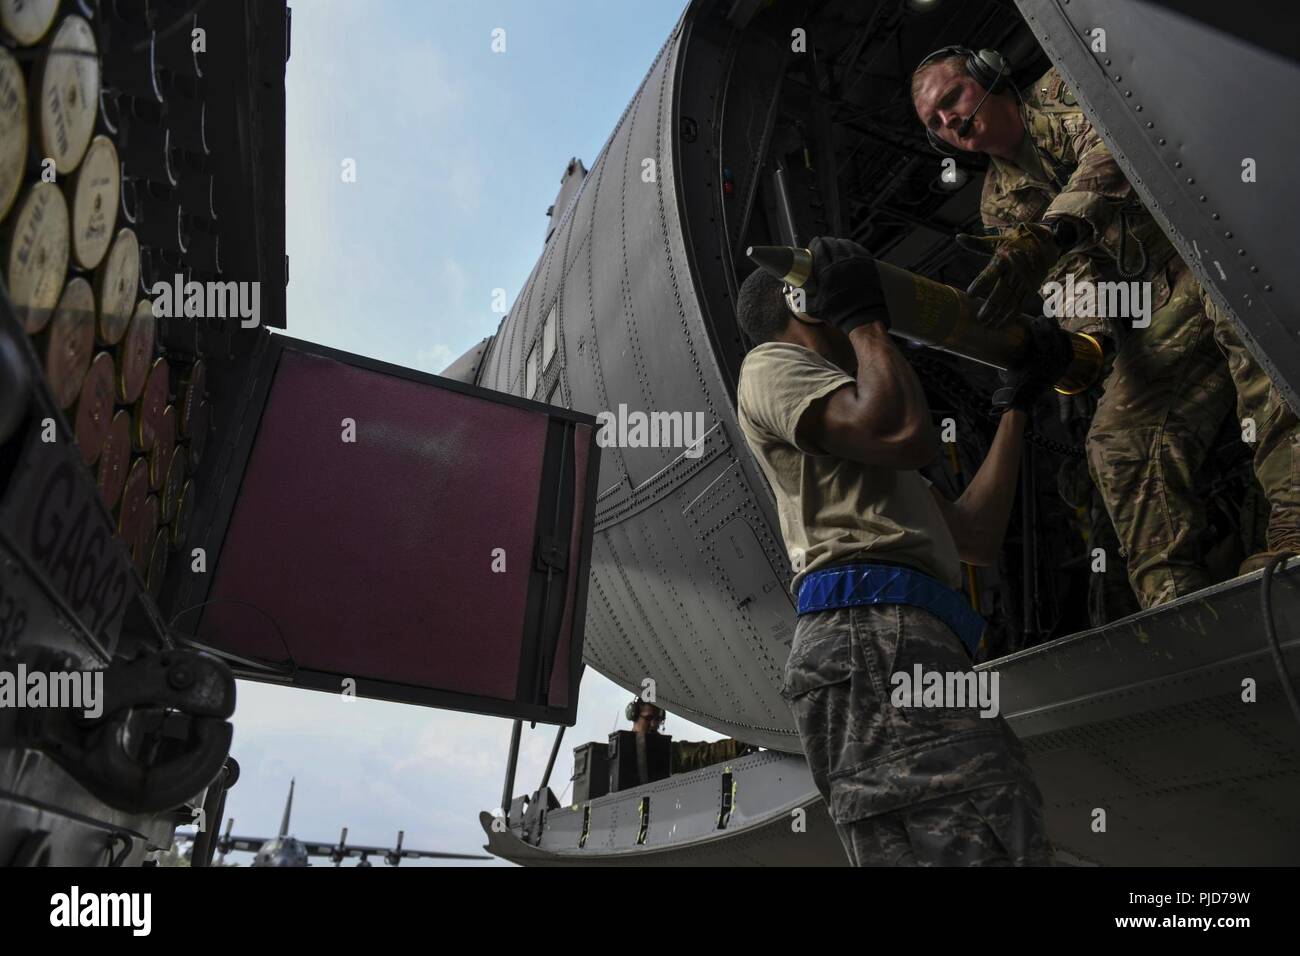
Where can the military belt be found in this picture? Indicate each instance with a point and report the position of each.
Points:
(857, 585)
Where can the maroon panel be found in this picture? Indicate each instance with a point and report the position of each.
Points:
(558, 692)
(374, 558)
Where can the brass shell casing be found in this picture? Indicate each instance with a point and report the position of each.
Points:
(95, 408)
(1086, 369)
(114, 459)
(942, 317)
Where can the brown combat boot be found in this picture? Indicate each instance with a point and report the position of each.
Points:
(1259, 560)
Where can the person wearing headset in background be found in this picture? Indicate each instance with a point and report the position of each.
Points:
(1056, 203)
(687, 754)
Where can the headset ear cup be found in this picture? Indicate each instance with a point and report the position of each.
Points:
(990, 68)
(978, 70)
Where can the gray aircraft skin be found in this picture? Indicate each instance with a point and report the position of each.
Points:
(287, 850)
(732, 140)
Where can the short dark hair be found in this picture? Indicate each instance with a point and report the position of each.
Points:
(760, 307)
(956, 59)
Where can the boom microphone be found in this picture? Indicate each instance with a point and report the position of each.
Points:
(964, 129)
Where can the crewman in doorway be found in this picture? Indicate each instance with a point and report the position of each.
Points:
(1059, 208)
(687, 754)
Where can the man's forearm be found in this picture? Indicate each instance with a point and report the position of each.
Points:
(984, 508)
(887, 387)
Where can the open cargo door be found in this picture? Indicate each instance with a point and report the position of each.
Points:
(398, 535)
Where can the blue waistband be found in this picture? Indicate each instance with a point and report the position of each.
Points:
(854, 585)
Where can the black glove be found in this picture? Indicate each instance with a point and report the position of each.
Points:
(1046, 359)
(1022, 257)
(844, 288)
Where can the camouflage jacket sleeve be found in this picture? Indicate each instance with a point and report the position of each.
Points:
(1097, 187)
(993, 213)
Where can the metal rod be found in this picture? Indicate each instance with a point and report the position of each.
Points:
(1036, 579)
(1026, 545)
(550, 764)
(760, 155)
(511, 761)
(214, 803)
(785, 213)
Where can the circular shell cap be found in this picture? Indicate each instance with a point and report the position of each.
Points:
(114, 459)
(165, 443)
(171, 492)
(116, 282)
(13, 130)
(134, 353)
(70, 342)
(27, 20)
(69, 94)
(95, 408)
(149, 407)
(131, 504)
(36, 254)
(94, 189)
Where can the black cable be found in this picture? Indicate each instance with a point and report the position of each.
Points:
(1054, 446)
(1270, 631)
(273, 666)
(1120, 254)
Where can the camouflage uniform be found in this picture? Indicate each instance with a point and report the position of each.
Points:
(907, 786)
(1170, 388)
(692, 755)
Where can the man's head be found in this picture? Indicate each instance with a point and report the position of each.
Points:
(763, 313)
(945, 94)
(648, 719)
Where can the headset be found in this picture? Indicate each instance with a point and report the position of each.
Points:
(633, 711)
(989, 68)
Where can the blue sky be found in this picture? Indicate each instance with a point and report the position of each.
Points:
(458, 152)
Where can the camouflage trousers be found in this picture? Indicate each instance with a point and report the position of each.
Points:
(907, 786)
(1164, 402)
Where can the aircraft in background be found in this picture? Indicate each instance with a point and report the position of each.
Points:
(287, 850)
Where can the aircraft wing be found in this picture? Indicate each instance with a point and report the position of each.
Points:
(319, 849)
(350, 850)
(232, 844)
(438, 855)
